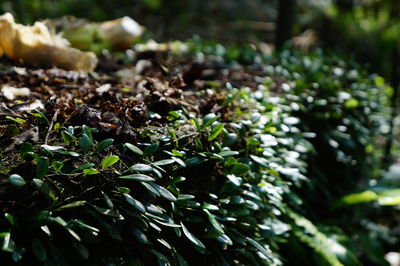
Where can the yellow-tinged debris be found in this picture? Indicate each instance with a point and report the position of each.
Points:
(121, 33)
(37, 45)
(117, 34)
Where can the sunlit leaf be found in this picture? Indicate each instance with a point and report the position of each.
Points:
(134, 149)
(109, 161)
(138, 177)
(215, 131)
(192, 238)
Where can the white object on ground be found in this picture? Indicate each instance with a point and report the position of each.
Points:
(37, 45)
(10, 93)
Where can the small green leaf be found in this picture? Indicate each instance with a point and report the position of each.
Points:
(135, 203)
(215, 131)
(16, 119)
(134, 149)
(228, 153)
(43, 188)
(107, 212)
(224, 239)
(107, 200)
(109, 161)
(42, 115)
(192, 238)
(164, 162)
(9, 217)
(57, 166)
(84, 143)
(141, 168)
(357, 198)
(165, 193)
(240, 169)
(72, 205)
(389, 197)
(83, 166)
(214, 222)
(351, 103)
(123, 190)
(261, 161)
(46, 230)
(90, 171)
(138, 177)
(86, 226)
(17, 180)
(260, 248)
(39, 250)
(209, 119)
(70, 153)
(86, 130)
(151, 189)
(42, 167)
(234, 179)
(229, 140)
(150, 149)
(185, 197)
(103, 145)
(8, 244)
(67, 137)
(51, 148)
(194, 161)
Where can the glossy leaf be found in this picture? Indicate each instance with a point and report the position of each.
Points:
(86, 130)
(215, 131)
(16, 180)
(192, 238)
(138, 177)
(8, 244)
(214, 222)
(139, 167)
(135, 203)
(109, 161)
(165, 193)
(84, 143)
(134, 149)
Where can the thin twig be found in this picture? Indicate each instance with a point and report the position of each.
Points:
(51, 126)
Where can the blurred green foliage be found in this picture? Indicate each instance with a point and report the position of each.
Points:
(166, 20)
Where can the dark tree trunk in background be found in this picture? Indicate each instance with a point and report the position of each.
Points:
(285, 22)
(394, 82)
(394, 7)
(345, 5)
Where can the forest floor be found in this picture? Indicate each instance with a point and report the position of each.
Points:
(125, 95)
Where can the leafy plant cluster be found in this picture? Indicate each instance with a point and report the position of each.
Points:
(252, 185)
(347, 112)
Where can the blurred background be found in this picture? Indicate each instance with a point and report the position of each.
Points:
(367, 28)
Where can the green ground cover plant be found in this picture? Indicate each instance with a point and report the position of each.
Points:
(258, 178)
